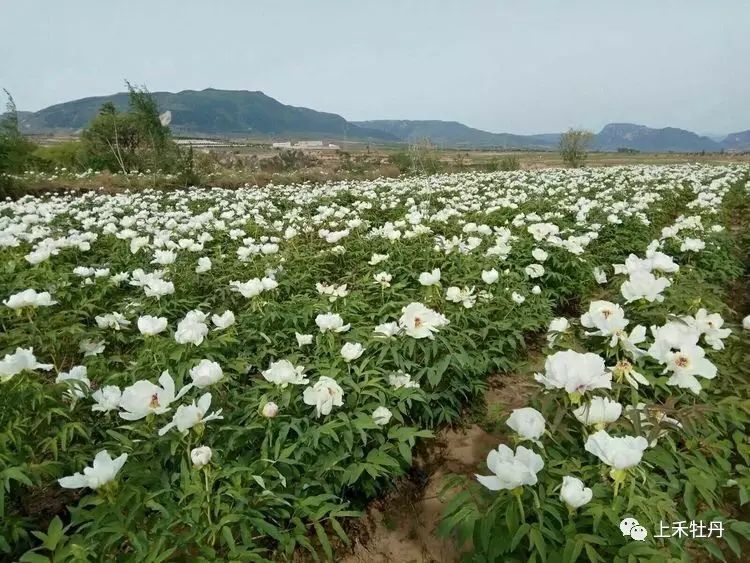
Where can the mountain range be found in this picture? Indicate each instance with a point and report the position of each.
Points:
(241, 113)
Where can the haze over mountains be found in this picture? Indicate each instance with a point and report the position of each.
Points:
(241, 113)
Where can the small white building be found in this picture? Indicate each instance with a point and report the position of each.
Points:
(305, 145)
(308, 145)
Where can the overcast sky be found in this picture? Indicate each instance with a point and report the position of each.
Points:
(500, 65)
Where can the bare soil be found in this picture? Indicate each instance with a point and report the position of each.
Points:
(401, 527)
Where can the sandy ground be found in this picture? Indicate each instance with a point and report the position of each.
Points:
(401, 528)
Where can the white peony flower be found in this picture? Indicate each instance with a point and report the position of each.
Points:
(223, 321)
(534, 271)
(557, 327)
(606, 317)
(21, 360)
(539, 255)
(629, 342)
(192, 329)
(204, 265)
(430, 278)
(351, 351)
(164, 257)
(574, 493)
(103, 470)
(137, 243)
(464, 296)
(284, 373)
(672, 336)
(149, 325)
(517, 298)
(115, 321)
(600, 275)
(378, 258)
(144, 398)
(387, 329)
(618, 452)
(206, 373)
(324, 395)
(685, 364)
(381, 416)
(692, 245)
(248, 289)
(107, 399)
(401, 379)
(333, 292)
(332, 322)
(490, 276)
(709, 325)
(158, 288)
(644, 285)
(527, 422)
(91, 347)
(419, 321)
(303, 339)
(598, 412)
(269, 283)
(29, 298)
(77, 379)
(510, 469)
(188, 416)
(574, 372)
(383, 278)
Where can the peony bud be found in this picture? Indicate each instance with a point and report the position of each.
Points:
(270, 410)
(201, 456)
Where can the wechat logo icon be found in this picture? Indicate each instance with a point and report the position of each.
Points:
(631, 527)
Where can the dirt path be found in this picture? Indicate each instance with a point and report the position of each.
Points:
(401, 528)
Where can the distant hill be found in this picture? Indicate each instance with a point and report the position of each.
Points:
(456, 135)
(646, 139)
(210, 112)
(737, 141)
(241, 113)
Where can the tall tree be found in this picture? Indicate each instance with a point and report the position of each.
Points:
(574, 145)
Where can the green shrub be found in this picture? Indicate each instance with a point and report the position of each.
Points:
(69, 154)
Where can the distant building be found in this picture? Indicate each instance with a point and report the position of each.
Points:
(308, 145)
(305, 145)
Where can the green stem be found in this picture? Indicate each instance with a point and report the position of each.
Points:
(520, 503)
(208, 497)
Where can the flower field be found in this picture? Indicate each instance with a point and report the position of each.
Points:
(222, 374)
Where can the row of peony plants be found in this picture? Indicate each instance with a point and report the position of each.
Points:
(638, 429)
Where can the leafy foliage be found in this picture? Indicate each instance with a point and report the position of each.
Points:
(287, 480)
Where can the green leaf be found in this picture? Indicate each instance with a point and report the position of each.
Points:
(405, 451)
(31, 557)
(519, 535)
(323, 539)
(538, 542)
(54, 533)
